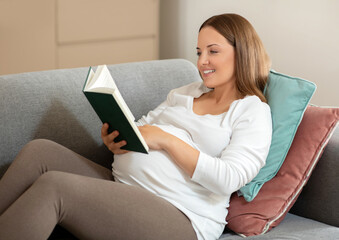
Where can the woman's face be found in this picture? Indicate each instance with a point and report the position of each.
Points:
(216, 58)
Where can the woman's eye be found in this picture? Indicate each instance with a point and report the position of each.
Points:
(213, 52)
(198, 53)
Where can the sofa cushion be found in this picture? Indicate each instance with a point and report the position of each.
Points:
(288, 98)
(279, 194)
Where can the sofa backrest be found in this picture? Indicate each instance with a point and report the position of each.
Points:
(51, 105)
(319, 199)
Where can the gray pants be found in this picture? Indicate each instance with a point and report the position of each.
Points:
(47, 184)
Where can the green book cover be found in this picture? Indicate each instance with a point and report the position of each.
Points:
(106, 100)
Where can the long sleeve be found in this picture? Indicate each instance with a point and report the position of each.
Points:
(232, 147)
(246, 153)
(152, 115)
(174, 98)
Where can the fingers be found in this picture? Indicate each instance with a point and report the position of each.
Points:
(106, 136)
(104, 130)
(108, 140)
(110, 137)
(116, 147)
(120, 151)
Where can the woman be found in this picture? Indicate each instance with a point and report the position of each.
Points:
(181, 189)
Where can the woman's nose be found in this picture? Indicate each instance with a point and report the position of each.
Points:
(203, 60)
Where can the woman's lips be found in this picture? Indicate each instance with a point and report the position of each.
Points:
(208, 72)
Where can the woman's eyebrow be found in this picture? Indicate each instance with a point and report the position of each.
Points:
(211, 45)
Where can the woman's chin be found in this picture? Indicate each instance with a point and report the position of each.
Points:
(208, 84)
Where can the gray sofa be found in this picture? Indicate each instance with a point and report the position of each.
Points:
(50, 104)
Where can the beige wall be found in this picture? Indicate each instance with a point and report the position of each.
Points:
(39, 35)
(301, 36)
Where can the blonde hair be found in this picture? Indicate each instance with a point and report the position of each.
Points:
(252, 61)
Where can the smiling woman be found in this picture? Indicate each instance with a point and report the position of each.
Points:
(215, 53)
(216, 64)
(251, 59)
(207, 140)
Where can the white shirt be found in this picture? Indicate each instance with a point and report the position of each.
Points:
(233, 147)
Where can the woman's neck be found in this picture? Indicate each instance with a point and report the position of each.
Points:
(224, 95)
(215, 102)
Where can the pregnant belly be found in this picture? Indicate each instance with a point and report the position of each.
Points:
(151, 171)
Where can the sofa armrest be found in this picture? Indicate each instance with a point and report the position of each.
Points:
(319, 199)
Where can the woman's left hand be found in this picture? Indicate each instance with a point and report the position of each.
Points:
(182, 153)
(154, 136)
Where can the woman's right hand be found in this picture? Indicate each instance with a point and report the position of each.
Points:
(108, 140)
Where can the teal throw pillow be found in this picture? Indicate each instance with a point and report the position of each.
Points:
(288, 98)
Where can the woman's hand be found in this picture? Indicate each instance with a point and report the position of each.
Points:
(108, 140)
(154, 136)
(183, 154)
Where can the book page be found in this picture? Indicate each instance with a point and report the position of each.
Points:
(123, 105)
(125, 109)
(102, 81)
(89, 79)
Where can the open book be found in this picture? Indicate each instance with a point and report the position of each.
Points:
(105, 98)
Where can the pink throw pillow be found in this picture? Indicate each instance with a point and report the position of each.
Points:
(279, 194)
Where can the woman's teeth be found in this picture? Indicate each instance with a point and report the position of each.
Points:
(208, 71)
